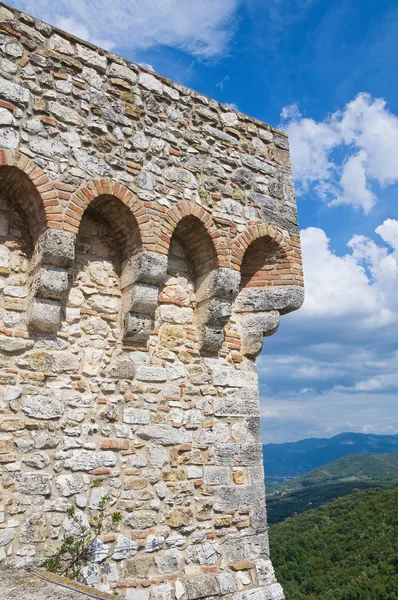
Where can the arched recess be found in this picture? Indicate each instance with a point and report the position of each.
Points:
(22, 220)
(37, 195)
(196, 279)
(265, 263)
(103, 274)
(270, 283)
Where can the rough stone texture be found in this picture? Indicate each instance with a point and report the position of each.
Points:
(148, 242)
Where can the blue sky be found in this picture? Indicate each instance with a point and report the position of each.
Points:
(327, 73)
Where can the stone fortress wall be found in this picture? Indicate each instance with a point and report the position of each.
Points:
(148, 242)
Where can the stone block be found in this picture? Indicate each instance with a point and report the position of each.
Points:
(57, 248)
(141, 298)
(145, 267)
(283, 298)
(211, 339)
(137, 328)
(51, 283)
(200, 587)
(44, 315)
(221, 282)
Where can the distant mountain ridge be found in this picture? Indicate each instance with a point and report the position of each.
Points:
(355, 467)
(292, 459)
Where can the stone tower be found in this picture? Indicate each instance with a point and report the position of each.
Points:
(148, 242)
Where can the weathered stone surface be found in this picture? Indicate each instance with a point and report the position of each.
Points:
(42, 407)
(87, 461)
(12, 92)
(11, 345)
(34, 529)
(165, 434)
(68, 485)
(36, 484)
(125, 548)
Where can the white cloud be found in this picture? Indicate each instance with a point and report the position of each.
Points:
(362, 285)
(364, 136)
(315, 388)
(200, 27)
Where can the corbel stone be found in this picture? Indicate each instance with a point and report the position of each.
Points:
(256, 326)
(260, 310)
(55, 252)
(215, 294)
(142, 275)
(284, 298)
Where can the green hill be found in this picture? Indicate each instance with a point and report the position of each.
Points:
(339, 478)
(345, 550)
(354, 467)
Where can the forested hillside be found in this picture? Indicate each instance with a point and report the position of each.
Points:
(355, 467)
(345, 550)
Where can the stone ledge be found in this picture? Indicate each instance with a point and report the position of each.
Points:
(40, 585)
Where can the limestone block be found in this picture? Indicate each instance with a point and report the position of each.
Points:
(11, 92)
(9, 138)
(38, 460)
(284, 298)
(11, 345)
(125, 548)
(68, 485)
(145, 267)
(165, 434)
(230, 454)
(181, 177)
(216, 475)
(52, 283)
(57, 248)
(226, 377)
(39, 406)
(176, 314)
(215, 311)
(169, 561)
(200, 587)
(150, 82)
(122, 72)
(121, 368)
(257, 164)
(91, 57)
(212, 338)
(6, 536)
(44, 315)
(35, 484)
(155, 374)
(136, 416)
(141, 298)
(254, 327)
(222, 282)
(81, 460)
(34, 529)
(137, 328)
(226, 583)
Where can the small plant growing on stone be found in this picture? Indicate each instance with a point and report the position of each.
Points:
(77, 550)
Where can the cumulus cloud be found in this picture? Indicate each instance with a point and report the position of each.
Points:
(202, 28)
(333, 365)
(343, 156)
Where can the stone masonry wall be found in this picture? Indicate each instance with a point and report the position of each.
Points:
(148, 242)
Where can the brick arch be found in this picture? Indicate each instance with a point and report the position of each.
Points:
(253, 233)
(32, 190)
(189, 212)
(265, 257)
(98, 193)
